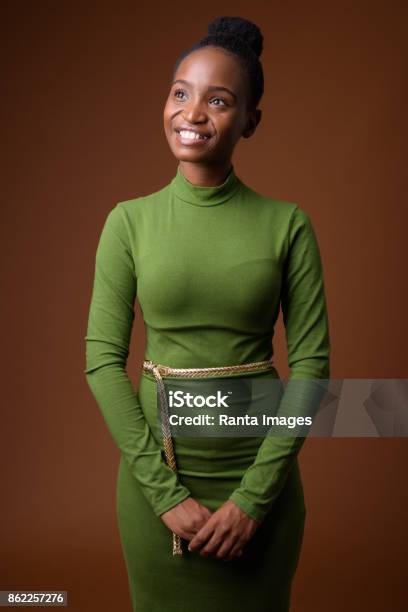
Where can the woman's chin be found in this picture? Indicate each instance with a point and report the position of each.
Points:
(191, 156)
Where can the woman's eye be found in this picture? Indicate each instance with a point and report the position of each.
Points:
(222, 100)
(178, 91)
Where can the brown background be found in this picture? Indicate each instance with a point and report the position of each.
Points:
(84, 87)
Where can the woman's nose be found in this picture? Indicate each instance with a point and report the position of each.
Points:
(194, 111)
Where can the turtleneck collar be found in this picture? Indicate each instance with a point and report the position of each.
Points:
(204, 196)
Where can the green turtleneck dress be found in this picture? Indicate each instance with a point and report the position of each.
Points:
(210, 266)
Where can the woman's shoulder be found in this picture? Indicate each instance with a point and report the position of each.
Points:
(286, 210)
(132, 210)
(143, 200)
(126, 217)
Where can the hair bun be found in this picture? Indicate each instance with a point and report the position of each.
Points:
(242, 28)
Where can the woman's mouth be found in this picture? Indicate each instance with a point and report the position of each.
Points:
(191, 138)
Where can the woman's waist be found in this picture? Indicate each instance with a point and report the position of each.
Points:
(213, 408)
(212, 368)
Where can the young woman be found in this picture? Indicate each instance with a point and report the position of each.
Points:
(211, 261)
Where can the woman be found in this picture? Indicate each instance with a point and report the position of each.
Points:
(211, 261)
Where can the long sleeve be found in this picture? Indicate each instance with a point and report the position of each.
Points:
(110, 323)
(305, 318)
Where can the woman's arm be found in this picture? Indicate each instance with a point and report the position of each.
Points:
(108, 335)
(307, 333)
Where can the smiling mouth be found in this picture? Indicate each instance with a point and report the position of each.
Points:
(191, 135)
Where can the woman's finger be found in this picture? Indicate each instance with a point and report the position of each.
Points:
(212, 545)
(235, 552)
(226, 547)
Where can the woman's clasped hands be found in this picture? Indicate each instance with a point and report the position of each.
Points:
(222, 534)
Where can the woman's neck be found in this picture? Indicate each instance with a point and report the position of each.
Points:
(205, 175)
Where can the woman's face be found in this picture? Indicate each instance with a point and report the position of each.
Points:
(206, 110)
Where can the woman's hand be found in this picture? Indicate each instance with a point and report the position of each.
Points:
(186, 518)
(225, 533)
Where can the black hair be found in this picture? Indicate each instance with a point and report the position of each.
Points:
(242, 38)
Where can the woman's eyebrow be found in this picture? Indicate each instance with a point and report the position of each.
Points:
(210, 88)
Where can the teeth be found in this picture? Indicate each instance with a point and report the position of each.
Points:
(191, 135)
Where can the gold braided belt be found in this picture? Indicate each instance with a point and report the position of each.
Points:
(159, 371)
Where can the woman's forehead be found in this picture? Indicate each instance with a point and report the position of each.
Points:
(210, 66)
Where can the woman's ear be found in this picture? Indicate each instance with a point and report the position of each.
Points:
(253, 121)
